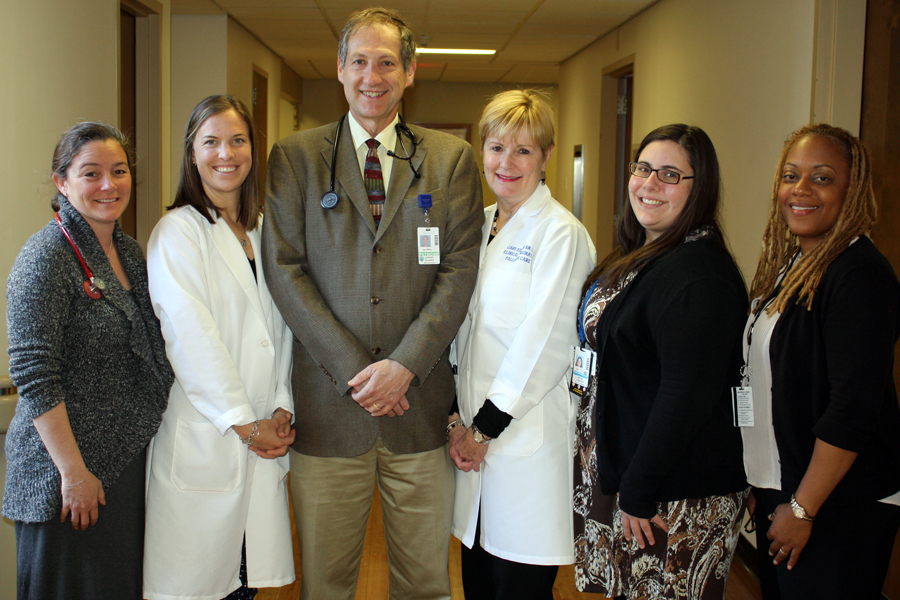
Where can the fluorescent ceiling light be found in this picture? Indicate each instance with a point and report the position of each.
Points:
(452, 51)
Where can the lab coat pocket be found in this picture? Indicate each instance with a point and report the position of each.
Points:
(205, 460)
(504, 297)
(523, 437)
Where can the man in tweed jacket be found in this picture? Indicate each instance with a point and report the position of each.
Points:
(372, 326)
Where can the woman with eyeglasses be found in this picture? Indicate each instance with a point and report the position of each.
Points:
(659, 483)
(823, 451)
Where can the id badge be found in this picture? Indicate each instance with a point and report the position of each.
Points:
(583, 360)
(428, 241)
(742, 406)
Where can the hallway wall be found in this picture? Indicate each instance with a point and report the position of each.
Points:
(748, 73)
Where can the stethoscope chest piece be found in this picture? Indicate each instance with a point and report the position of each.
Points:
(93, 291)
(329, 200)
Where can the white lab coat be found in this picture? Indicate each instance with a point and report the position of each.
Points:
(515, 348)
(231, 353)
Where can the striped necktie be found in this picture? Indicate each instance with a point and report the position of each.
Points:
(374, 181)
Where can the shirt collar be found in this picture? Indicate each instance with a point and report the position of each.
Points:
(387, 137)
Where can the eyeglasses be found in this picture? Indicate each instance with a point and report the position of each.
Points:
(664, 175)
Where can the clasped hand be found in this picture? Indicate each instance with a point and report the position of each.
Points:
(466, 453)
(274, 437)
(381, 387)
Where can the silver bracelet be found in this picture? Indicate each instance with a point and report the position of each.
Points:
(74, 485)
(254, 433)
(452, 425)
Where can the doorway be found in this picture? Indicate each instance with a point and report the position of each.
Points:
(879, 124)
(616, 149)
(127, 108)
(140, 111)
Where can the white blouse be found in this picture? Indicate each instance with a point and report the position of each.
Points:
(761, 458)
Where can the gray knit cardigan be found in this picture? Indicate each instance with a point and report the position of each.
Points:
(105, 358)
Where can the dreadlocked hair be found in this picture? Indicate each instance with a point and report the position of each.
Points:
(701, 209)
(780, 246)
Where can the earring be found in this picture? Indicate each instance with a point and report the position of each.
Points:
(483, 176)
(543, 178)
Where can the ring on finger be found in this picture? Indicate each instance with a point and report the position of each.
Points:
(376, 407)
(780, 550)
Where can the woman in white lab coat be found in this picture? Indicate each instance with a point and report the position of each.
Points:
(216, 477)
(513, 436)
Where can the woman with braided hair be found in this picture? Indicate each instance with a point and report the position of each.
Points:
(822, 447)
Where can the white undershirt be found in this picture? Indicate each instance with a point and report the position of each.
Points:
(761, 459)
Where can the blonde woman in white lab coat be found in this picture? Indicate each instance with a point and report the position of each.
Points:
(513, 435)
(217, 468)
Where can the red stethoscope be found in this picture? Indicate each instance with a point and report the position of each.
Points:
(94, 285)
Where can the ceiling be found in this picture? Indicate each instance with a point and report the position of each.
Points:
(532, 37)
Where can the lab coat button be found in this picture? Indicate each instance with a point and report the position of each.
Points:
(265, 343)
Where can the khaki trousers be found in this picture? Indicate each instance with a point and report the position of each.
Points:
(332, 498)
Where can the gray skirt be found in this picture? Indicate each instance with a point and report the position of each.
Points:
(104, 561)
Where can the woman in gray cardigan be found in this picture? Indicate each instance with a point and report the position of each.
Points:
(89, 363)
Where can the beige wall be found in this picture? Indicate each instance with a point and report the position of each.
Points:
(199, 53)
(743, 71)
(213, 54)
(246, 54)
(425, 102)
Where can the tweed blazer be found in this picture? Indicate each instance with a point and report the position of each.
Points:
(354, 295)
(104, 358)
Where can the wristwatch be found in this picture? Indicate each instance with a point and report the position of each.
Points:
(478, 436)
(799, 511)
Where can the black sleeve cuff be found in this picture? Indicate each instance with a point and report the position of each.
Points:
(490, 420)
(455, 408)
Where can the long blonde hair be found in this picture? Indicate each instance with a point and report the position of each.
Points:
(858, 215)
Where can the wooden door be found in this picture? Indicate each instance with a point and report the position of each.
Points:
(879, 130)
(127, 106)
(261, 124)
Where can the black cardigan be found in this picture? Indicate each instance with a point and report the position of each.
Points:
(832, 376)
(669, 352)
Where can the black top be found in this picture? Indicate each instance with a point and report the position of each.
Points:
(669, 351)
(832, 376)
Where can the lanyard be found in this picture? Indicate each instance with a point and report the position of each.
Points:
(745, 369)
(584, 304)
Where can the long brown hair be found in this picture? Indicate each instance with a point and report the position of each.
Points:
(190, 186)
(858, 214)
(700, 210)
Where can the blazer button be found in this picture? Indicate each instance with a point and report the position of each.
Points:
(376, 350)
(377, 249)
(375, 300)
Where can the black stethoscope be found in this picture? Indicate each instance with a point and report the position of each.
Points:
(330, 199)
(94, 285)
